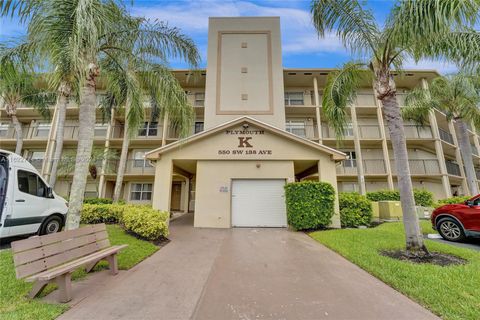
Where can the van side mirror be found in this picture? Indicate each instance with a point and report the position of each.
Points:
(49, 192)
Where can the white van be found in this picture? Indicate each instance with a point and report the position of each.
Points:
(27, 204)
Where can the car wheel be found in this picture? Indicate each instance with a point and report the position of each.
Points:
(53, 224)
(450, 230)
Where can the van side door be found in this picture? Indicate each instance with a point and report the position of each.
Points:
(30, 204)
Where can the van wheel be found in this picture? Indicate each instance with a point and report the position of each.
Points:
(450, 230)
(51, 225)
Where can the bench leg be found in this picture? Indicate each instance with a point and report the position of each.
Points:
(64, 283)
(37, 288)
(112, 263)
(90, 266)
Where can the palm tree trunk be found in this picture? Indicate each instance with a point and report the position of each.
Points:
(84, 150)
(466, 152)
(18, 133)
(123, 159)
(391, 111)
(64, 94)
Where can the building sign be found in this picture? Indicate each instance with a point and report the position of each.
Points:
(245, 143)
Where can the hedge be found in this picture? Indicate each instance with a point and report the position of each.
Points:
(142, 220)
(148, 223)
(97, 201)
(422, 197)
(452, 200)
(310, 204)
(355, 210)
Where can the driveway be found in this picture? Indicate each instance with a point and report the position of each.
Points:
(243, 274)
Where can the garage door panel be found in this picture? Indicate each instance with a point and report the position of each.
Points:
(258, 203)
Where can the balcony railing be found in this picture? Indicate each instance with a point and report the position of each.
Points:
(133, 166)
(348, 167)
(453, 168)
(306, 131)
(414, 132)
(420, 166)
(445, 136)
(374, 166)
(371, 131)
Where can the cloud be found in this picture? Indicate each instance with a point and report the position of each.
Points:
(298, 34)
(426, 64)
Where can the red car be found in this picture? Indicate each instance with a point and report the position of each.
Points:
(455, 222)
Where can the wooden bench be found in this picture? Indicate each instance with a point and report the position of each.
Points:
(53, 257)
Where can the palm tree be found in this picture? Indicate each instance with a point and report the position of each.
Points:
(18, 88)
(131, 79)
(380, 49)
(457, 96)
(94, 29)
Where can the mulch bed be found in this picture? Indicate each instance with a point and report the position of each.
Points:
(160, 242)
(440, 259)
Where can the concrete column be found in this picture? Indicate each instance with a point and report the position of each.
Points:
(458, 156)
(438, 147)
(185, 195)
(476, 142)
(327, 173)
(358, 150)
(165, 130)
(317, 109)
(101, 183)
(383, 135)
(162, 187)
(51, 143)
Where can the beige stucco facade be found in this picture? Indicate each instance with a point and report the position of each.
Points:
(216, 157)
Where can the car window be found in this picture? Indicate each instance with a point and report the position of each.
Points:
(31, 183)
(476, 202)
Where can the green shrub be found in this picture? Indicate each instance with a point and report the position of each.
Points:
(148, 223)
(355, 210)
(102, 213)
(97, 201)
(452, 200)
(310, 204)
(422, 197)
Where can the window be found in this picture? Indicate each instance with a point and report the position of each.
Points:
(294, 98)
(139, 160)
(36, 159)
(149, 129)
(29, 182)
(199, 99)
(296, 127)
(141, 191)
(4, 129)
(351, 161)
(43, 129)
(101, 130)
(198, 127)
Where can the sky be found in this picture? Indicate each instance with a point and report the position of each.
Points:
(301, 46)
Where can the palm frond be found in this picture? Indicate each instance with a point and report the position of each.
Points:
(418, 103)
(339, 93)
(353, 24)
(416, 21)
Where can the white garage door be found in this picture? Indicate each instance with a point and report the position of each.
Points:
(258, 203)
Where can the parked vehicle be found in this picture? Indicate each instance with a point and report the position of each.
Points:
(27, 204)
(455, 222)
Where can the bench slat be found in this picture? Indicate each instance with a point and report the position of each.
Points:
(68, 267)
(55, 248)
(35, 242)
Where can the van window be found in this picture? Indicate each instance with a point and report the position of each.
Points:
(31, 183)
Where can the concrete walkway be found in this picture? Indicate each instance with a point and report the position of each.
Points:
(243, 274)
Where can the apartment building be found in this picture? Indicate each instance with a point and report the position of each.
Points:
(245, 86)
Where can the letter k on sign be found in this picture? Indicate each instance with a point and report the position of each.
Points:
(243, 142)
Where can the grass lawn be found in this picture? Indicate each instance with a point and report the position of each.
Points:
(450, 292)
(13, 301)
